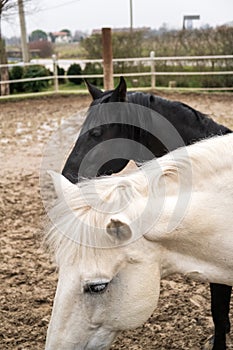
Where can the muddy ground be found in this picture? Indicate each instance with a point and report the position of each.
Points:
(27, 273)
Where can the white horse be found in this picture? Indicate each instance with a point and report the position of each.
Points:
(114, 239)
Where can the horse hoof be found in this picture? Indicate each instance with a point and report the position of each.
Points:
(209, 344)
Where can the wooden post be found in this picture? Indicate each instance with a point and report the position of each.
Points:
(54, 58)
(153, 77)
(107, 58)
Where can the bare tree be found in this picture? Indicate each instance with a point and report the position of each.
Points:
(3, 59)
(6, 9)
(5, 5)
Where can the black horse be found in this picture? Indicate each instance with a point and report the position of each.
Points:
(99, 130)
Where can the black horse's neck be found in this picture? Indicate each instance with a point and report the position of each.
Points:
(191, 124)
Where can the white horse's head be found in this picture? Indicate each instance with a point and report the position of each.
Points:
(100, 291)
(111, 254)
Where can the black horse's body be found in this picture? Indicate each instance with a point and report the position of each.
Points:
(190, 124)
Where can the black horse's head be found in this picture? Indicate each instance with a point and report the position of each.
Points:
(93, 154)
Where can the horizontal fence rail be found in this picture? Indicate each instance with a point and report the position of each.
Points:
(175, 58)
(53, 64)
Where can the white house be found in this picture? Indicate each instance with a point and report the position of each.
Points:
(60, 37)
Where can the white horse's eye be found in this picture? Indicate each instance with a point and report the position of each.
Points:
(95, 288)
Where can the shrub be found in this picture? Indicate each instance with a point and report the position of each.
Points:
(35, 72)
(94, 68)
(61, 71)
(16, 72)
(75, 69)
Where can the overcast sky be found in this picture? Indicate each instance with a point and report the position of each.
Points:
(85, 15)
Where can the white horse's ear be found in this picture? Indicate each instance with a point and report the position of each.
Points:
(119, 231)
(61, 184)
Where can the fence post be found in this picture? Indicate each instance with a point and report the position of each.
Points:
(107, 58)
(56, 87)
(153, 77)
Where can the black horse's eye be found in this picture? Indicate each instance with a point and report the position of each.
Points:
(95, 288)
(96, 132)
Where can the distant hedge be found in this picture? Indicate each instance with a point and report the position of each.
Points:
(16, 73)
(75, 69)
(34, 71)
(94, 68)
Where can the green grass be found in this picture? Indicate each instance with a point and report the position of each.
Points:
(71, 50)
(68, 86)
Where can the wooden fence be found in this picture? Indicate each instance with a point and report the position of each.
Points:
(150, 61)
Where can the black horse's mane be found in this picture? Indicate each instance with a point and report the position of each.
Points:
(158, 104)
(148, 100)
(140, 98)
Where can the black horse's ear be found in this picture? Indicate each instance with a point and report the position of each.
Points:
(119, 94)
(94, 91)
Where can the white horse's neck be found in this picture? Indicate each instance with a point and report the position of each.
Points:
(201, 245)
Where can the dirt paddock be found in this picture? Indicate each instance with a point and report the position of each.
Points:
(28, 275)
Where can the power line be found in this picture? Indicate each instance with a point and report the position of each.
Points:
(57, 6)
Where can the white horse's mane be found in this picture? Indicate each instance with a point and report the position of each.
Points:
(79, 218)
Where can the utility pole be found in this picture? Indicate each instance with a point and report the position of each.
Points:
(131, 15)
(23, 32)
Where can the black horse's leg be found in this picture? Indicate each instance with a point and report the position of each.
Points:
(220, 304)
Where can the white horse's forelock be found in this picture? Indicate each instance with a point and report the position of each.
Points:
(78, 220)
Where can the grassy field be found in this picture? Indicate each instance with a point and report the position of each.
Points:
(70, 50)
